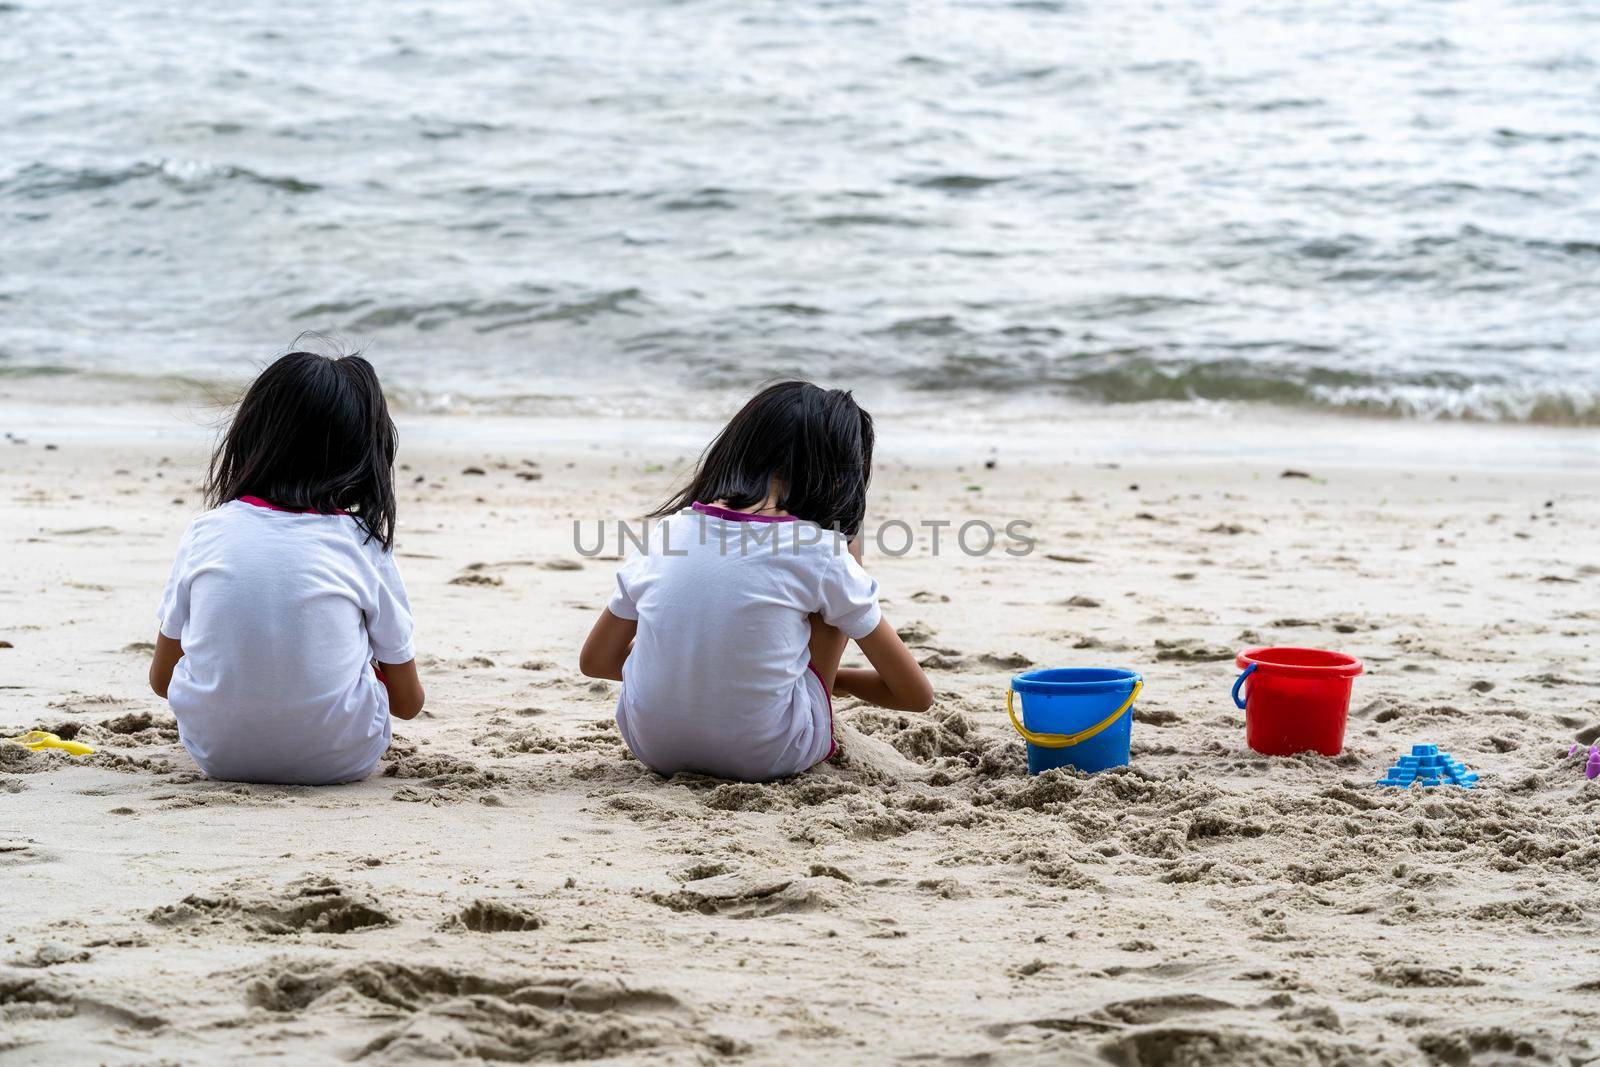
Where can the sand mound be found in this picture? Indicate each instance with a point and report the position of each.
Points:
(138, 728)
(946, 739)
(441, 778)
(598, 737)
(16, 759)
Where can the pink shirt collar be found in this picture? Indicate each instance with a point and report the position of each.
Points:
(738, 516)
(257, 502)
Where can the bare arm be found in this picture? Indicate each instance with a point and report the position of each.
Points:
(607, 647)
(169, 651)
(405, 688)
(894, 681)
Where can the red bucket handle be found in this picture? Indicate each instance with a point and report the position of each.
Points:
(1248, 671)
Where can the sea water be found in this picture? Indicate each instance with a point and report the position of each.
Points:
(1388, 207)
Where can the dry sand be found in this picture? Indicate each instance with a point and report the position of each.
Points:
(514, 887)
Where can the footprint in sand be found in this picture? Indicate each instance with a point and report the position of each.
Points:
(494, 917)
(22, 852)
(311, 906)
(736, 896)
(943, 659)
(1216, 1047)
(56, 997)
(1406, 974)
(52, 954)
(1013, 661)
(1191, 650)
(499, 1018)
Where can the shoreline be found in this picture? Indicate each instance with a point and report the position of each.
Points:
(971, 430)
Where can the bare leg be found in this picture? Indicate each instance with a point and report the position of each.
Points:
(827, 648)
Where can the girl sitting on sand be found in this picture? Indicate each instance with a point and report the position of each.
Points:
(726, 632)
(285, 640)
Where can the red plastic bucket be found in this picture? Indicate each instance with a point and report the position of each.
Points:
(1296, 699)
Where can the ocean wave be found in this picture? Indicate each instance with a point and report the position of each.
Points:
(39, 181)
(537, 304)
(1537, 405)
(955, 183)
(866, 218)
(98, 386)
(1133, 378)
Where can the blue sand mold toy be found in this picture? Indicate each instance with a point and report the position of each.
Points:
(1428, 766)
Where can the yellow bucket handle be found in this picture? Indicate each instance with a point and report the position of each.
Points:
(1068, 740)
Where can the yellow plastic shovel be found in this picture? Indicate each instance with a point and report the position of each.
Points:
(38, 739)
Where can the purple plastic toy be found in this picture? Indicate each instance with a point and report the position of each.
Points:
(1592, 768)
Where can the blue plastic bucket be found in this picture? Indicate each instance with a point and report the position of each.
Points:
(1079, 717)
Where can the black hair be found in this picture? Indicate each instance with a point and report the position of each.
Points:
(813, 445)
(312, 433)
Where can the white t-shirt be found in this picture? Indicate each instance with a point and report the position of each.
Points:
(718, 680)
(280, 614)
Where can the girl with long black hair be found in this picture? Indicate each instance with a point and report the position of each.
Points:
(728, 631)
(285, 633)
